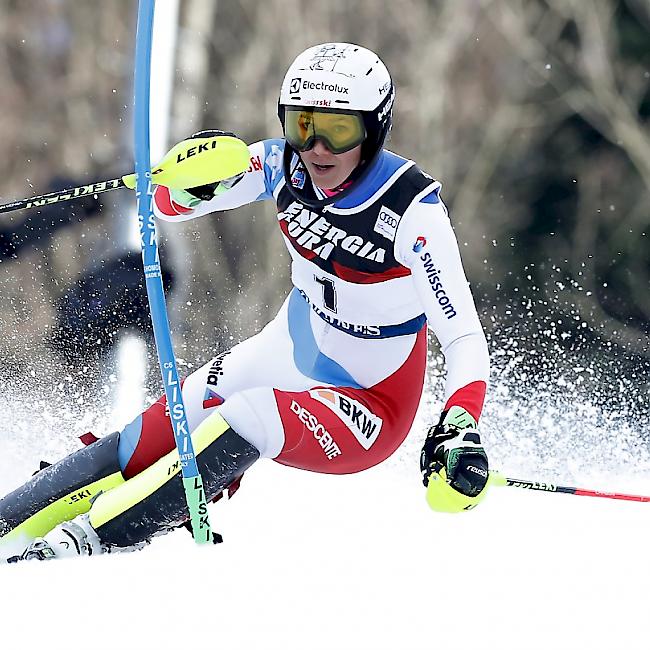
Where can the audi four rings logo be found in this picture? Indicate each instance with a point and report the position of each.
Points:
(294, 86)
(386, 218)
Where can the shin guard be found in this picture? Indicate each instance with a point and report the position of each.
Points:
(154, 502)
(61, 491)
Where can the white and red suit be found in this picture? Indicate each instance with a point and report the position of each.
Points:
(333, 382)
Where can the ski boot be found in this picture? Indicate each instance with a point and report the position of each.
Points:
(69, 539)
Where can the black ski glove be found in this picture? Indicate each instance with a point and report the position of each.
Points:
(454, 445)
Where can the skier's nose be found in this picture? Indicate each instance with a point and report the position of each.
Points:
(320, 148)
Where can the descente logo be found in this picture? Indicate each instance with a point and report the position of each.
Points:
(324, 438)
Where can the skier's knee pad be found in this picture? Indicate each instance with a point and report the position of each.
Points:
(153, 501)
(61, 491)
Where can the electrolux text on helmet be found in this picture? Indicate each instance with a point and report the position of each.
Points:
(294, 86)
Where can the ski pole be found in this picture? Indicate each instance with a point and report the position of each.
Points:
(502, 481)
(63, 195)
(190, 163)
(191, 477)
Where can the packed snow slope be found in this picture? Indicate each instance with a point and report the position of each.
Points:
(360, 562)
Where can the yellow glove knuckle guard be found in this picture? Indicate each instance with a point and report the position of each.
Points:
(441, 497)
(199, 161)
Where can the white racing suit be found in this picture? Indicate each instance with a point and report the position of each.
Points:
(333, 382)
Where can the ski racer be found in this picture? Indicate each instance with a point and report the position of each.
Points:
(333, 382)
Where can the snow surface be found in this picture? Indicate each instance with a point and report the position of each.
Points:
(358, 562)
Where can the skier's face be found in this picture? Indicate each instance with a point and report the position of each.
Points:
(328, 170)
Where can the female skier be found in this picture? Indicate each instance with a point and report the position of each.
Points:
(333, 382)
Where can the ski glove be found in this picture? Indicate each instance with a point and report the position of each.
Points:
(192, 196)
(454, 445)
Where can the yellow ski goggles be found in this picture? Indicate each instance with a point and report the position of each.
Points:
(340, 130)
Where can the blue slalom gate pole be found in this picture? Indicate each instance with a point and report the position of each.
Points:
(192, 482)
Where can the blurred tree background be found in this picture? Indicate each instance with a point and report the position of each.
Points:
(534, 114)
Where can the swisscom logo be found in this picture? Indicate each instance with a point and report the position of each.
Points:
(420, 243)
